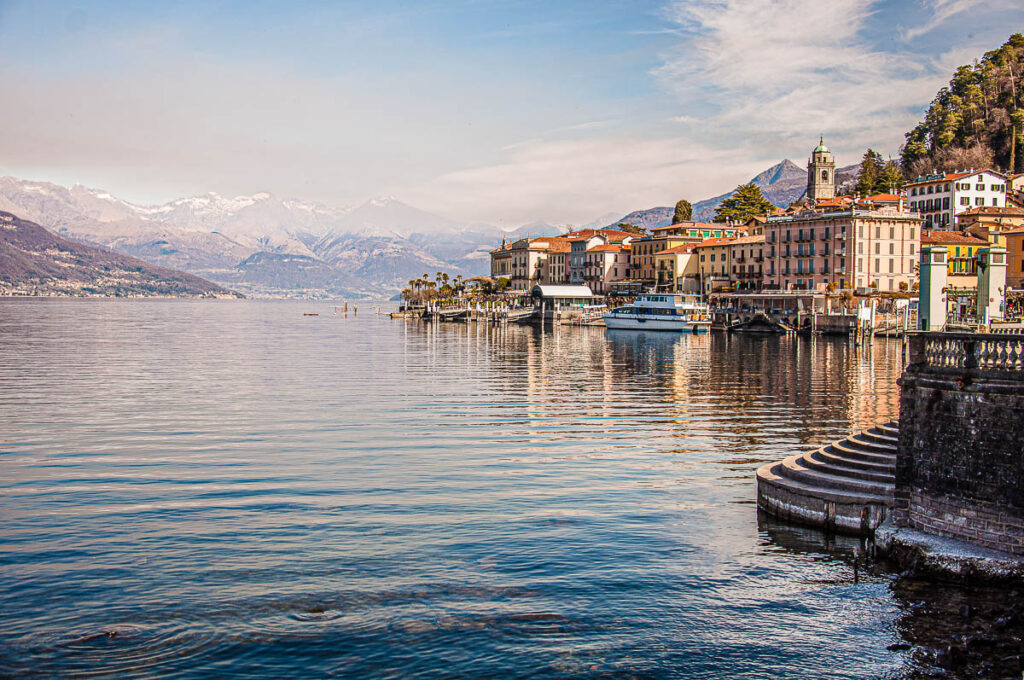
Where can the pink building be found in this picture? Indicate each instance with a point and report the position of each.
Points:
(604, 264)
(845, 243)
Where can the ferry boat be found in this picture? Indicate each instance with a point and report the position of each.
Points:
(680, 312)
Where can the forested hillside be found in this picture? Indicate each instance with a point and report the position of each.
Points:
(977, 121)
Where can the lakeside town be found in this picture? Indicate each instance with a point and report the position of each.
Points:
(823, 252)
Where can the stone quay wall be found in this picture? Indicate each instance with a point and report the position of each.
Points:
(960, 460)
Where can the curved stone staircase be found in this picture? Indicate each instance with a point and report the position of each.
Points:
(846, 486)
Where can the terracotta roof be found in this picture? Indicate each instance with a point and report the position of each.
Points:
(552, 242)
(608, 248)
(689, 225)
(744, 240)
(1014, 231)
(991, 210)
(566, 249)
(685, 248)
(885, 198)
(946, 177)
(717, 241)
(957, 237)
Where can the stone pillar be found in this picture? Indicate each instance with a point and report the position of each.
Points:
(991, 283)
(931, 310)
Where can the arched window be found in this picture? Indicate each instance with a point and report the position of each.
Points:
(824, 175)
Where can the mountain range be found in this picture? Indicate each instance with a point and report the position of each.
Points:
(263, 245)
(34, 261)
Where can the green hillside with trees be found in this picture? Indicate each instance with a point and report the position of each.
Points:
(977, 121)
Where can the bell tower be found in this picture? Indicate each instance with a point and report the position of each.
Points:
(821, 174)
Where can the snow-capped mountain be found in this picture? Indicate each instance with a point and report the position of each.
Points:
(372, 249)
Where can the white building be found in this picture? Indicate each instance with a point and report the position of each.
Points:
(941, 197)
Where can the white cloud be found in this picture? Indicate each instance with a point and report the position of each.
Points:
(942, 10)
(569, 181)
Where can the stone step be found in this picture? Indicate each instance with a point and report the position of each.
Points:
(866, 441)
(830, 454)
(770, 474)
(848, 449)
(892, 428)
(831, 465)
(794, 468)
(878, 435)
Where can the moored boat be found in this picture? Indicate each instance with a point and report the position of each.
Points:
(679, 312)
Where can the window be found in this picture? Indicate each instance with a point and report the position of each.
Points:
(911, 232)
(824, 175)
(892, 232)
(878, 232)
(892, 248)
(878, 247)
(979, 201)
(945, 202)
(964, 200)
(860, 247)
(890, 266)
(995, 201)
(878, 265)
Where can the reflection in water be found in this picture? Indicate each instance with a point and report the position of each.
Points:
(232, 489)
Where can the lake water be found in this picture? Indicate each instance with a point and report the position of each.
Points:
(231, 488)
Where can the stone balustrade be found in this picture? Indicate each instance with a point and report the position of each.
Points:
(958, 352)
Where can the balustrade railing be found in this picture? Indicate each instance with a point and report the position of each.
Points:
(969, 351)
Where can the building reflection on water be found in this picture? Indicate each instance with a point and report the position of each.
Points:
(735, 402)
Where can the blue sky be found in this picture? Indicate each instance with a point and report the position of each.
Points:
(502, 112)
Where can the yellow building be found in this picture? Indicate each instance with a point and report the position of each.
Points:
(715, 264)
(678, 270)
(989, 223)
(962, 270)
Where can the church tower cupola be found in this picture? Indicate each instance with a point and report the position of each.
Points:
(821, 174)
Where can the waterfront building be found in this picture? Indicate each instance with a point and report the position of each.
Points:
(746, 257)
(940, 197)
(501, 262)
(851, 245)
(698, 231)
(582, 241)
(821, 174)
(521, 261)
(714, 257)
(555, 270)
(1015, 182)
(989, 223)
(605, 264)
(664, 238)
(962, 265)
(1014, 239)
(677, 269)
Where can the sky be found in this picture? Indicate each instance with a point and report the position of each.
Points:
(501, 112)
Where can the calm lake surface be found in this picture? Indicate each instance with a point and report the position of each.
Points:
(230, 488)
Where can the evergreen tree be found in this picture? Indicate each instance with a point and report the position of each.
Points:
(890, 180)
(746, 202)
(870, 169)
(684, 212)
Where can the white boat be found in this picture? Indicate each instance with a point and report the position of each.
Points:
(680, 312)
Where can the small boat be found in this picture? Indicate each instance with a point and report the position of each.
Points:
(680, 312)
